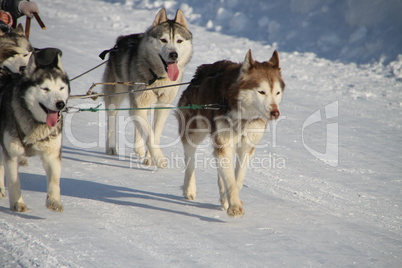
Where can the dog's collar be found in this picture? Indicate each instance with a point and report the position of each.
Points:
(154, 75)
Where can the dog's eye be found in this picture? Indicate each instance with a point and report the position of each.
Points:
(179, 41)
(261, 92)
(278, 93)
(25, 55)
(61, 88)
(46, 89)
(163, 40)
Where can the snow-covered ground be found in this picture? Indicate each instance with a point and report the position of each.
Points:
(347, 30)
(324, 189)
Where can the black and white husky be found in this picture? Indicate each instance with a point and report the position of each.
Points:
(30, 124)
(249, 94)
(155, 58)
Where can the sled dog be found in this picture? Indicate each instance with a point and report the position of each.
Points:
(248, 95)
(15, 51)
(155, 58)
(30, 124)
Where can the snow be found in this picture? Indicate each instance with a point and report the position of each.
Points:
(324, 187)
(346, 30)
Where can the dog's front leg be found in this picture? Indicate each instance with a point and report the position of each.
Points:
(14, 185)
(2, 185)
(112, 102)
(111, 144)
(189, 185)
(226, 172)
(190, 139)
(52, 165)
(147, 134)
(160, 117)
(244, 153)
(222, 194)
(139, 144)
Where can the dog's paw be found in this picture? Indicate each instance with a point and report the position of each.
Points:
(54, 205)
(189, 191)
(235, 211)
(147, 161)
(224, 203)
(2, 192)
(111, 151)
(189, 196)
(23, 161)
(140, 152)
(19, 207)
(162, 162)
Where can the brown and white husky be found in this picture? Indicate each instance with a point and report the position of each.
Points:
(248, 94)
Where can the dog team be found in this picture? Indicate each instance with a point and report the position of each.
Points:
(34, 89)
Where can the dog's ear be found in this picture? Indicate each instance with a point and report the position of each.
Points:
(274, 61)
(19, 30)
(160, 17)
(31, 66)
(57, 61)
(248, 62)
(180, 19)
(49, 57)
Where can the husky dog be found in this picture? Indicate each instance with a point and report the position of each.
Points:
(30, 124)
(154, 58)
(249, 95)
(15, 51)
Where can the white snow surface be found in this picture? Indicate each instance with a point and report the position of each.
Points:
(323, 190)
(346, 30)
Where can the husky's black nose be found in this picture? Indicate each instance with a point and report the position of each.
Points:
(173, 55)
(60, 105)
(275, 114)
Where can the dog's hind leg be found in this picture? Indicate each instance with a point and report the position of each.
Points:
(52, 164)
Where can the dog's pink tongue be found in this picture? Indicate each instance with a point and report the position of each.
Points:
(173, 71)
(52, 118)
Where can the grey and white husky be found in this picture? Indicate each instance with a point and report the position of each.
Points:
(249, 94)
(155, 58)
(15, 51)
(30, 124)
